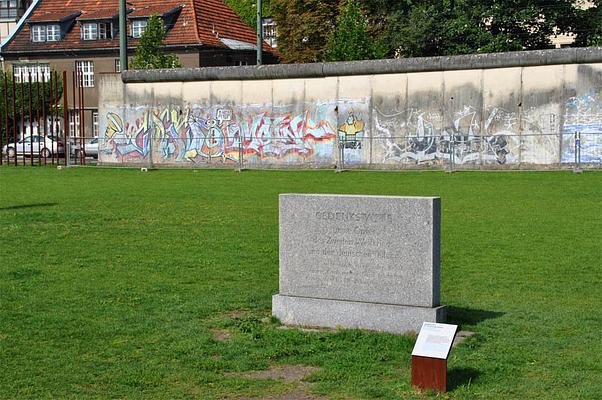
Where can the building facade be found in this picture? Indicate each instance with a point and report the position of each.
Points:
(83, 38)
(11, 12)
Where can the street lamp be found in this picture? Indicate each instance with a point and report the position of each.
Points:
(123, 38)
(259, 34)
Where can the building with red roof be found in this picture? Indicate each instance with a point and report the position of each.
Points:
(83, 35)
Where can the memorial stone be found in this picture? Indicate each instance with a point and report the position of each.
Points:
(366, 262)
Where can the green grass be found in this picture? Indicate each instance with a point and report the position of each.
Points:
(112, 280)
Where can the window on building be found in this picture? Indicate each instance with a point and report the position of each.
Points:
(95, 123)
(90, 31)
(104, 30)
(96, 30)
(53, 33)
(85, 71)
(74, 126)
(138, 26)
(21, 72)
(9, 9)
(269, 31)
(38, 33)
(118, 66)
(46, 33)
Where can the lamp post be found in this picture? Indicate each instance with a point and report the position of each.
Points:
(123, 38)
(259, 34)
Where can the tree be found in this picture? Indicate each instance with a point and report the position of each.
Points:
(20, 101)
(432, 28)
(247, 10)
(416, 28)
(303, 28)
(350, 39)
(588, 25)
(150, 54)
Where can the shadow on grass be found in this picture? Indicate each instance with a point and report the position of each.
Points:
(23, 274)
(457, 377)
(467, 316)
(21, 206)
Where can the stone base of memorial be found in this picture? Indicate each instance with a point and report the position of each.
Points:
(365, 262)
(312, 312)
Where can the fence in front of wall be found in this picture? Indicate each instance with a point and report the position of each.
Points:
(578, 149)
(32, 119)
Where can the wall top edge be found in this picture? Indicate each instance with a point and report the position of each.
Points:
(370, 67)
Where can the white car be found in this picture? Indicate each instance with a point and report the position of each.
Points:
(90, 147)
(37, 145)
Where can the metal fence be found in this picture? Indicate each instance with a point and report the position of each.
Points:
(35, 124)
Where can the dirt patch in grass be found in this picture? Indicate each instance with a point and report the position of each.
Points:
(236, 314)
(221, 335)
(461, 336)
(290, 374)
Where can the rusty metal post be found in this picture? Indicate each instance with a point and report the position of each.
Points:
(38, 120)
(44, 113)
(65, 117)
(1, 135)
(74, 87)
(30, 121)
(82, 121)
(22, 119)
(55, 112)
(15, 118)
(51, 111)
(5, 78)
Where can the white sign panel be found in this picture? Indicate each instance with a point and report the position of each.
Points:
(435, 340)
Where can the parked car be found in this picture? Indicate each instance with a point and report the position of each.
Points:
(90, 147)
(37, 145)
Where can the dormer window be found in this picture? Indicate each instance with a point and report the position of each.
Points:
(53, 33)
(38, 33)
(46, 33)
(96, 30)
(138, 26)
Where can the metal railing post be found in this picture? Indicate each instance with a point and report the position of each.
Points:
(577, 152)
(66, 119)
(14, 100)
(240, 155)
(452, 154)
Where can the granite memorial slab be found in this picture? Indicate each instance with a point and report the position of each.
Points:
(366, 262)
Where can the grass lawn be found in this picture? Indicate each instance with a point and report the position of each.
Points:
(122, 284)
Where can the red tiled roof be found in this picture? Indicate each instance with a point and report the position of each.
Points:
(148, 10)
(54, 16)
(103, 13)
(199, 22)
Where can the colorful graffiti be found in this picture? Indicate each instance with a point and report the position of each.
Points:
(340, 133)
(498, 137)
(351, 132)
(197, 135)
(126, 143)
(419, 137)
(582, 131)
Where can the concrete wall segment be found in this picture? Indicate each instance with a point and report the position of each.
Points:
(372, 67)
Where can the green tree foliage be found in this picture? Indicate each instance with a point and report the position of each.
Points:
(350, 39)
(150, 54)
(247, 10)
(21, 99)
(433, 28)
(413, 28)
(587, 25)
(303, 28)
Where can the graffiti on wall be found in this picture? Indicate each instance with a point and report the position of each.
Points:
(126, 142)
(582, 131)
(354, 132)
(417, 136)
(196, 135)
(499, 137)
